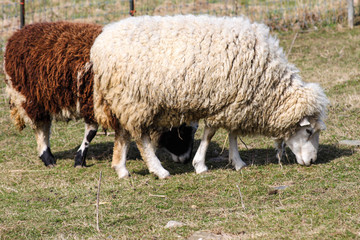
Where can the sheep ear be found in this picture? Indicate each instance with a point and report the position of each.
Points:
(304, 122)
(320, 125)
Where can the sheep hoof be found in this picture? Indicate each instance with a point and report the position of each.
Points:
(201, 169)
(167, 177)
(163, 174)
(124, 176)
(122, 173)
(238, 167)
(80, 158)
(47, 158)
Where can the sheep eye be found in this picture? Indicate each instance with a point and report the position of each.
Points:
(309, 131)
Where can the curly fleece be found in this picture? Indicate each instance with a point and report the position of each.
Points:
(155, 72)
(47, 72)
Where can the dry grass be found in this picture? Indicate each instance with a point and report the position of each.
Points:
(282, 15)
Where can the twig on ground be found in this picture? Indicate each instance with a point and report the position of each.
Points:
(97, 203)
(287, 157)
(154, 195)
(252, 155)
(292, 43)
(242, 202)
(244, 144)
(223, 147)
(9, 188)
(23, 170)
(281, 166)
(131, 183)
(280, 199)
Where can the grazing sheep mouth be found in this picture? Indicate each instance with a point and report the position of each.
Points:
(301, 162)
(305, 163)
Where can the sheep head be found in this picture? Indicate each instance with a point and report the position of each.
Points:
(304, 143)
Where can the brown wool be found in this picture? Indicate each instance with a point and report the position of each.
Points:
(43, 62)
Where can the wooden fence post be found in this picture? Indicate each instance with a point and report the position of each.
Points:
(132, 8)
(22, 13)
(350, 13)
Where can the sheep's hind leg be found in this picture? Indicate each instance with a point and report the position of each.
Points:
(234, 156)
(42, 135)
(90, 132)
(147, 151)
(121, 147)
(199, 158)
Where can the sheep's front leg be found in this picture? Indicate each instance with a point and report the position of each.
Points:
(199, 158)
(280, 149)
(234, 156)
(42, 135)
(90, 132)
(121, 147)
(147, 151)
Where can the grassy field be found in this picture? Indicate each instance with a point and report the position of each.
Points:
(292, 202)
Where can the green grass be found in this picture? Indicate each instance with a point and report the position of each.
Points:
(319, 202)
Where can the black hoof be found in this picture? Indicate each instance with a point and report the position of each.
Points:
(47, 158)
(80, 158)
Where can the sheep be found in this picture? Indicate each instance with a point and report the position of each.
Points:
(49, 76)
(155, 72)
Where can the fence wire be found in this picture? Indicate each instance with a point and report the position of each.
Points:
(278, 14)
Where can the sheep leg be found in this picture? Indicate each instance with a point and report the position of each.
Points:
(42, 135)
(199, 158)
(234, 156)
(280, 149)
(147, 151)
(185, 158)
(121, 147)
(90, 132)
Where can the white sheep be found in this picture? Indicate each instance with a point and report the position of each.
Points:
(157, 72)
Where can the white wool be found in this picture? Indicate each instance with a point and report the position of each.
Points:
(155, 72)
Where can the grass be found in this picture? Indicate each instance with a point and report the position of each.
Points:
(317, 202)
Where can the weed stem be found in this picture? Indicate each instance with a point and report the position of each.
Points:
(97, 203)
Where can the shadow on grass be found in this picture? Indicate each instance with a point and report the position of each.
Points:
(326, 153)
(216, 157)
(257, 156)
(98, 151)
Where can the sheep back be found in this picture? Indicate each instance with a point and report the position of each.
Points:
(46, 72)
(162, 71)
